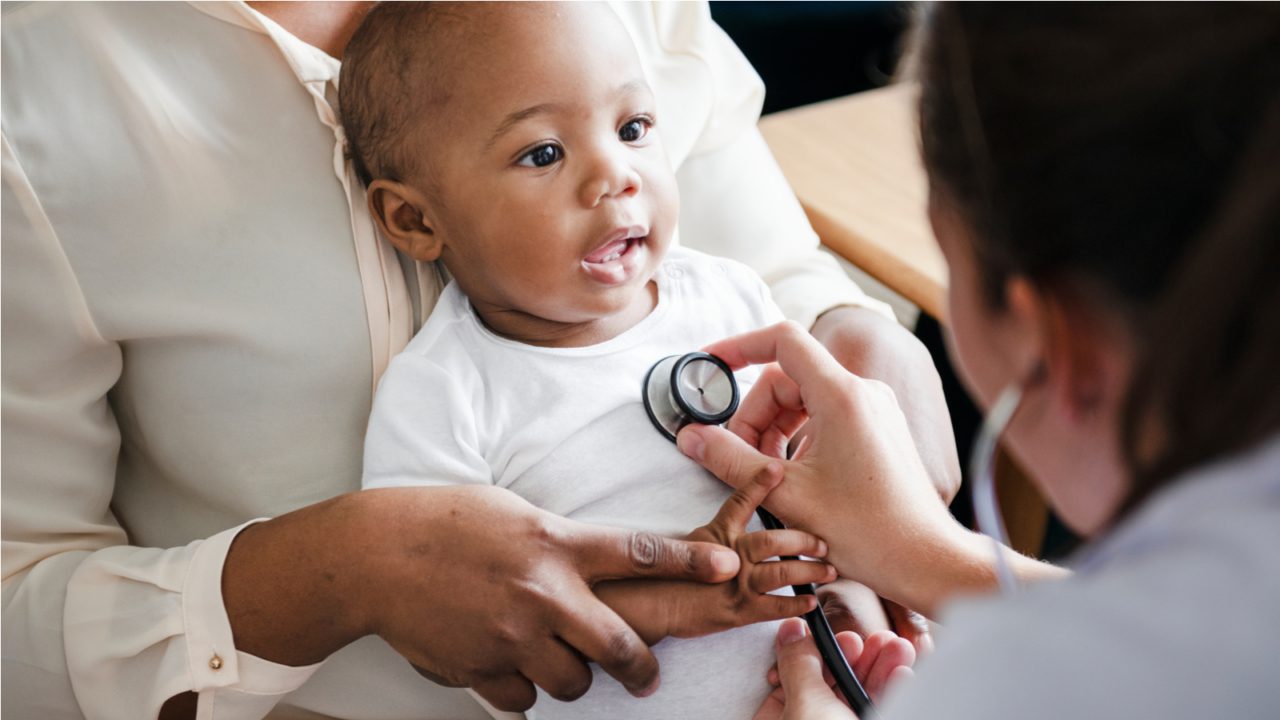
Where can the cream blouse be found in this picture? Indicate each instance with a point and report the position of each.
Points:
(196, 309)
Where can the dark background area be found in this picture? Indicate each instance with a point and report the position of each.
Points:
(807, 52)
(811, 51)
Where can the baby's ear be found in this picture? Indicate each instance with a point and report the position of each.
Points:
(401, 213)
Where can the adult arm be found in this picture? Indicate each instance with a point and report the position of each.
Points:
(88, 618)
(97, 628)
(861, 485)
(423, 568)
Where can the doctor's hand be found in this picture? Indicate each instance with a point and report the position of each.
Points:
(872, 346)
(853, 607)
(804, 690)
(859, 483)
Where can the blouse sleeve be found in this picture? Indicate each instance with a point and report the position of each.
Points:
(94, 627)
(734, 200)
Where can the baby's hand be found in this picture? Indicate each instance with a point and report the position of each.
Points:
(658, 609)
(700, 610)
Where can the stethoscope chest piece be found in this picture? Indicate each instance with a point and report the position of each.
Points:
(691, 388)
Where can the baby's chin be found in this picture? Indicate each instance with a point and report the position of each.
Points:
(637, 293)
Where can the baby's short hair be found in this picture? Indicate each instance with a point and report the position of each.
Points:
(388, 83)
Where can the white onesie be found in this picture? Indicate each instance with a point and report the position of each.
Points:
(566, 429)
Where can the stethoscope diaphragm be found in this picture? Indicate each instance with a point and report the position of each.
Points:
(692, 388)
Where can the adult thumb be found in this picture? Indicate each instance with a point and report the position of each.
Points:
(726, 455)
(800, 668)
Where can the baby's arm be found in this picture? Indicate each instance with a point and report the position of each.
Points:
(658, 609)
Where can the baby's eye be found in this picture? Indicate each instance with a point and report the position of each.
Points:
(635, 129)
(541, 156)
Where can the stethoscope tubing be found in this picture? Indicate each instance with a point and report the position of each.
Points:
(825, 638)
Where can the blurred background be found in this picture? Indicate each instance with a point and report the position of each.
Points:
(807, 52)
(811, 51)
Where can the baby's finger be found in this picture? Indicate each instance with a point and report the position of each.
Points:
(894, 653)
(763, 608)
(773, 401)
(764, 544)
(871, 646)
(738, 510)
(911, 626)
(769, 576)
(852, 646)
(899, 674)
(778, 437)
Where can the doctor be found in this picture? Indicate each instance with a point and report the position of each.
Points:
(1104, 187)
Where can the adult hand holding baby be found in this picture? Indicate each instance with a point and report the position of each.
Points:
(498, 612)
(659, 609)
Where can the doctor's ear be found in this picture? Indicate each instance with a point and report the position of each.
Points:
(1068, 347)
(401, 214)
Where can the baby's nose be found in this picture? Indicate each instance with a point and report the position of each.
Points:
(611, 176)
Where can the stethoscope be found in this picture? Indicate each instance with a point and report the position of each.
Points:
(698, 388)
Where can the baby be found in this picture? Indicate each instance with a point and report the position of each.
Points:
(519, 145)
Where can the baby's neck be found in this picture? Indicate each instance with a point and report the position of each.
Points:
(531, 329)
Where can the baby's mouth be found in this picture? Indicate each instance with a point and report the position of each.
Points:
(615, 260)
(610, 251)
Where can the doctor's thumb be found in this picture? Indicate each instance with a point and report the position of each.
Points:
(800, 670)
(726, 455)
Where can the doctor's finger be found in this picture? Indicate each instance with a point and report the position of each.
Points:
(726, 455)
(797, 353)
(593, 630)
(773, 402)
(777, 439)
(800, 670)
(850, 645)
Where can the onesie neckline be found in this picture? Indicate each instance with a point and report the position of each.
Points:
(628, 338)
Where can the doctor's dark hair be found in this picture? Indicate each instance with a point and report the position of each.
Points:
(1129, 152)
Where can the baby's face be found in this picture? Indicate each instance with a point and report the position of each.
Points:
(555, 197)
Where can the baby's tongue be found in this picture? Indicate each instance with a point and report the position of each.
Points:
(614, 248)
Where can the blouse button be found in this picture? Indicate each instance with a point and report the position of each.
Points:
(675, 272)
(215, 662)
